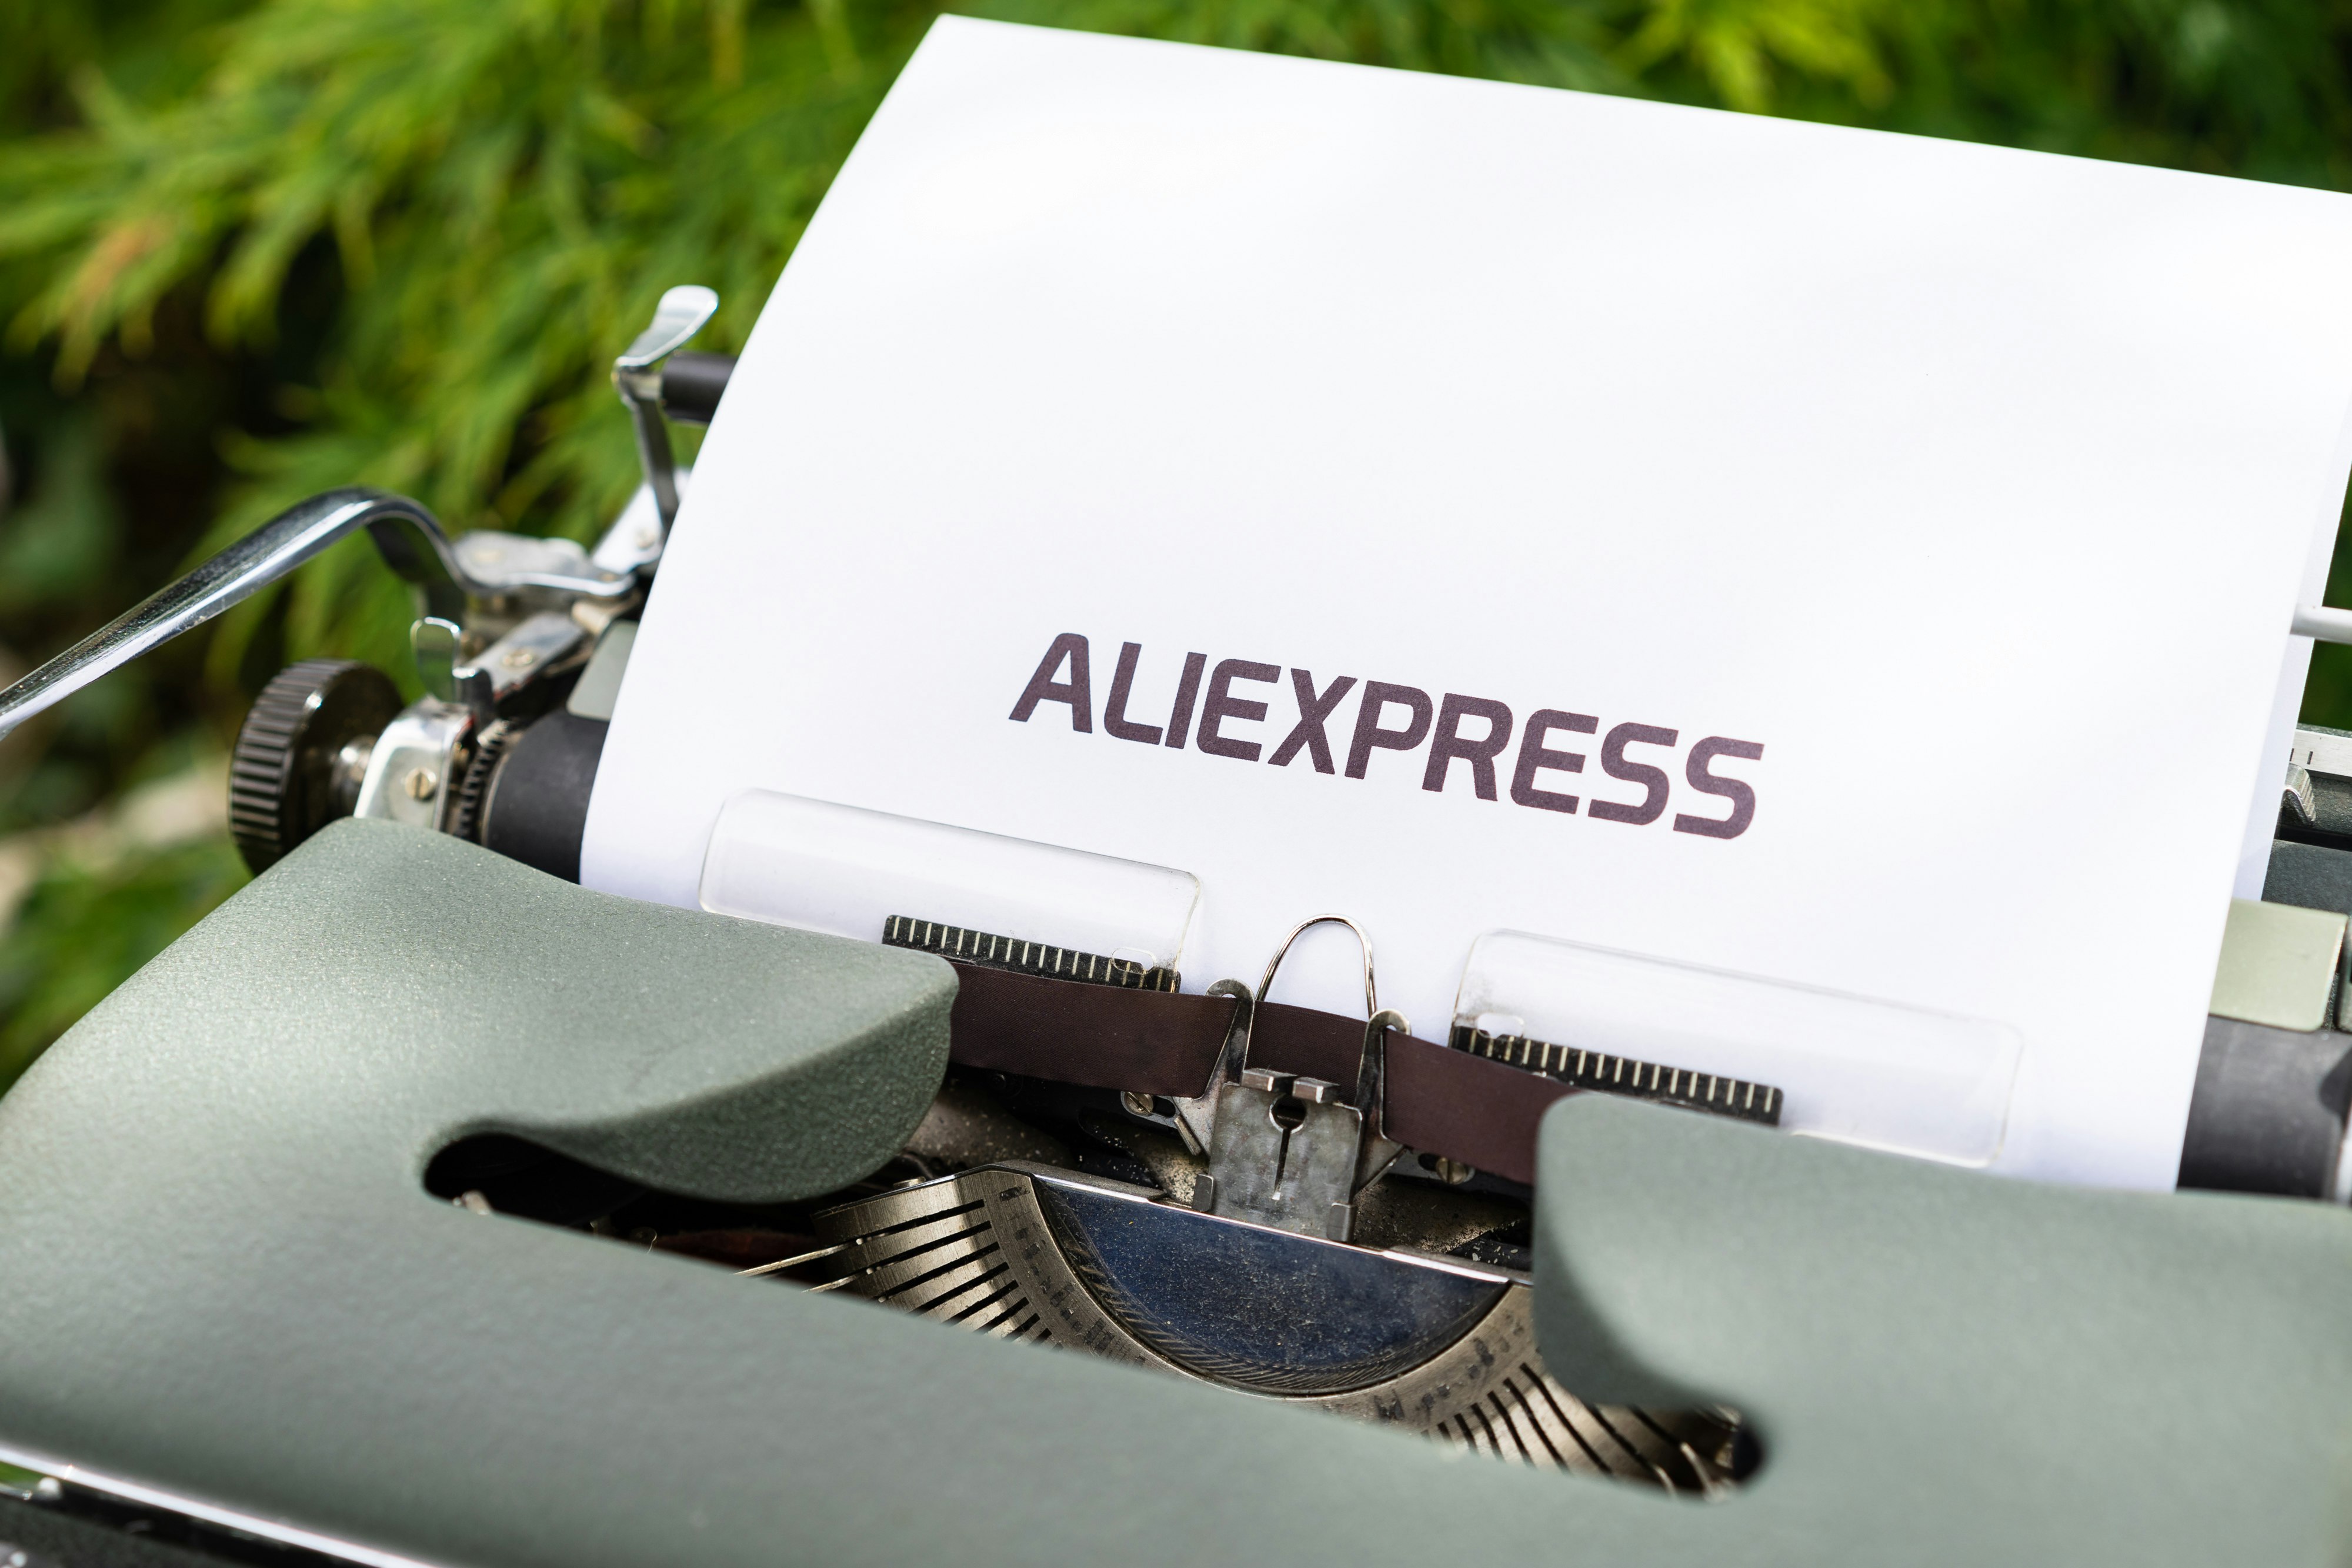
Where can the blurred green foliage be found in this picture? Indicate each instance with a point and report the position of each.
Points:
(254, 248)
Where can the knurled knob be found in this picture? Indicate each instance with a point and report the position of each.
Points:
(300, 755)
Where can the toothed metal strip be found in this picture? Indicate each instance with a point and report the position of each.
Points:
(1025, 957)
(1736, 1098)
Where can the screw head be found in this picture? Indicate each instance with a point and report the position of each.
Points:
(1136, 1104)
(519, 659)
(421, 783)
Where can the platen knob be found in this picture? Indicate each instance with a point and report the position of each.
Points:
(303, 752)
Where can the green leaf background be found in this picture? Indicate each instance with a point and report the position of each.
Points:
(248, 251)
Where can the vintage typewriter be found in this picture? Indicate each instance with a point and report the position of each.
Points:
(418, 1207)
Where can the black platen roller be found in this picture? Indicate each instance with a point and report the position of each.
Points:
(536, 807)
(2268, 1113)
(692, 383)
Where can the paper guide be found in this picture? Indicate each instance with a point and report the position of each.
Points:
(1472, 507)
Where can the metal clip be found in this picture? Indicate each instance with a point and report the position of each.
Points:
(1286, 1150)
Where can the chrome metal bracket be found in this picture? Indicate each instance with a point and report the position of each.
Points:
(412, 771)
(545, 644)
(637, 376)
(1287, 1150)
(409, 772)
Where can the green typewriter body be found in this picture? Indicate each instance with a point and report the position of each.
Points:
(421, 1206)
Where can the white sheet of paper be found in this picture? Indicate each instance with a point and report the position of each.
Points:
(1976, 486)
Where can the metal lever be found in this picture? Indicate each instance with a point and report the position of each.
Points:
(1286, 1150)
(637, 376)
(408, 537)
(435, 643)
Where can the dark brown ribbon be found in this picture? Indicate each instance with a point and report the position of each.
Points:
(1439, 1101)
